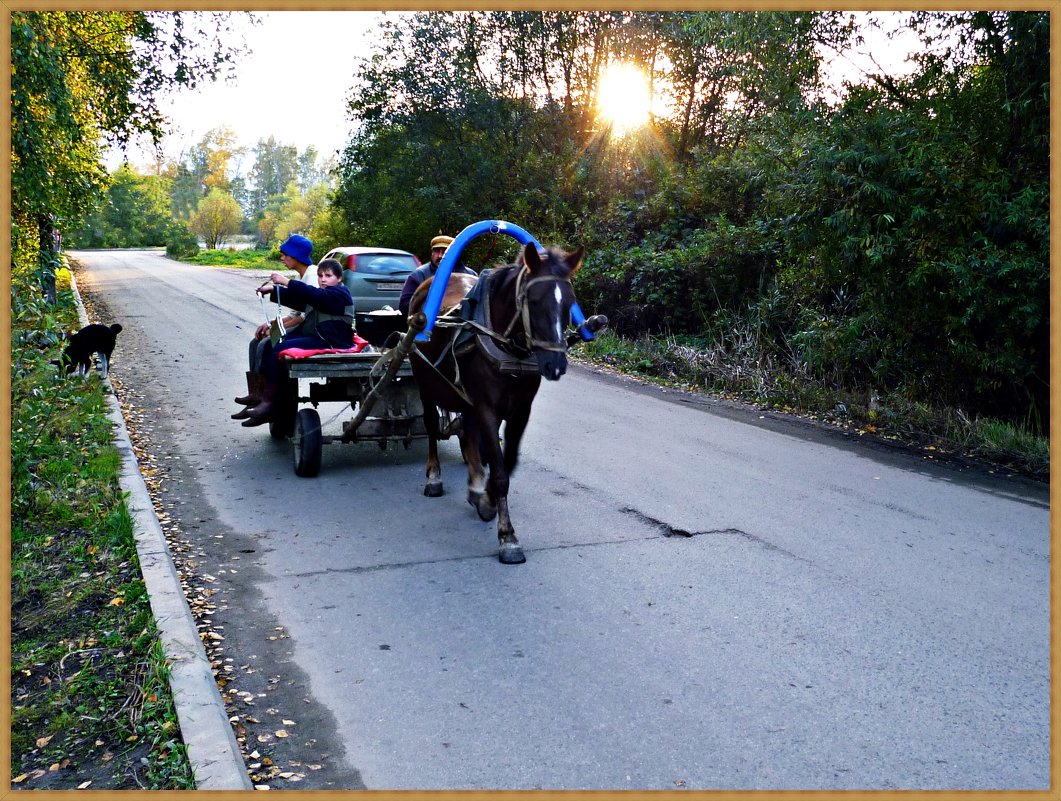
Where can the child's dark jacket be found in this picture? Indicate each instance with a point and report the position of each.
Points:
(329, 311)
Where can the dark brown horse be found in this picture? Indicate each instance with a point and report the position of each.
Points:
(492, 376)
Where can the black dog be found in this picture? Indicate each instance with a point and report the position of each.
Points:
(95, 338)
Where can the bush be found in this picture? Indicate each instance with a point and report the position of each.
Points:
(681, 287)
(242, 259)
(181, 243)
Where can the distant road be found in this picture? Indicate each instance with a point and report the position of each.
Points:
(712, 599)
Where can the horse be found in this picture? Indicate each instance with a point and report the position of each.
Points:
(493, 376)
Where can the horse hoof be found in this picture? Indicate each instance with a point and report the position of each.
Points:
(486, 510)
(433, 490)
(511, 553)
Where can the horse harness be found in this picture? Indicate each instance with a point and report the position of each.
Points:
(510, 356)
(523, 310)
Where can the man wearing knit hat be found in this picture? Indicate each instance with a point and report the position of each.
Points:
(296, 253)
(438, 249)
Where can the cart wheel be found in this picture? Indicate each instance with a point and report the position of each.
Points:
(308, 443)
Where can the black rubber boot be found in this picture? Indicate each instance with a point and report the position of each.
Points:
(258, 415)
(255, 381)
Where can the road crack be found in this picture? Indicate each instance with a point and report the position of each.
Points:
(673, 531)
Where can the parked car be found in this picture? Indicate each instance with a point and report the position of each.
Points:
(375, 277)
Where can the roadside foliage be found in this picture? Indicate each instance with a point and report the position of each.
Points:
(894, 240)
(91, 706)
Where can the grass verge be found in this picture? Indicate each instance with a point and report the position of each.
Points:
(91, 706)
(242, 259)
(744, 373)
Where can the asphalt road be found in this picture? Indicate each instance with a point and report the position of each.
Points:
(713, 598)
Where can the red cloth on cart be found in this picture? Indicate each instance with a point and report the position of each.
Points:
(302, 353)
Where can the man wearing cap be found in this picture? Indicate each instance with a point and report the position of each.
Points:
(296, 253)
(438, 249)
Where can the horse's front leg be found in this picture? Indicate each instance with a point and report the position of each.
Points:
(515, 425)
(510, 552)
(433, 487)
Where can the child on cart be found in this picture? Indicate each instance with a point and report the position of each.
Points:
(329, 323)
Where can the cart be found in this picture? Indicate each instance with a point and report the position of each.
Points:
(379, 385)
(381, 391)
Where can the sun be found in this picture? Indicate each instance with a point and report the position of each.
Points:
(624, 99)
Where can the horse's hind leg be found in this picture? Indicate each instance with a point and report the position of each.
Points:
(477, 496)
(433, 487)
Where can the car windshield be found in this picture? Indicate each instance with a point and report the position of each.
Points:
(385, 263)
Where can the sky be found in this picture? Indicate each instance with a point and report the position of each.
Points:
(294, 82)
(292, 86)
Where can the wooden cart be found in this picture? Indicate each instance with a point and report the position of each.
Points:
(381, 391)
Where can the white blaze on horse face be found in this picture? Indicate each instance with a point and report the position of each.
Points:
(559, 309)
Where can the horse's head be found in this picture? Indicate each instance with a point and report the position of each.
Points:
(544, 298)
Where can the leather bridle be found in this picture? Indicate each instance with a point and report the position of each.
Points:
(522, 313)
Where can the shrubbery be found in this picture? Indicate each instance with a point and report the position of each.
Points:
(896, 240)
(181, 243)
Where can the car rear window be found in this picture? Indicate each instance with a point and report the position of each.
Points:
(385, 263)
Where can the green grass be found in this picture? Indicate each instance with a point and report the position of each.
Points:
(90, 698)
(243, 259)
(740, 369)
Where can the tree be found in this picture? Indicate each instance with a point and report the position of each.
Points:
(897, 236)
(207, 165)
(310, 173)
(302, 211)
(186, 190)
(218, 217)
(914, 222)
(219, 150)
(79, 77)
(275, 166)
(137, 212)
(450, 140)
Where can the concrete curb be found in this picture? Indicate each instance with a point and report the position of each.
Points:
(212, 748)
